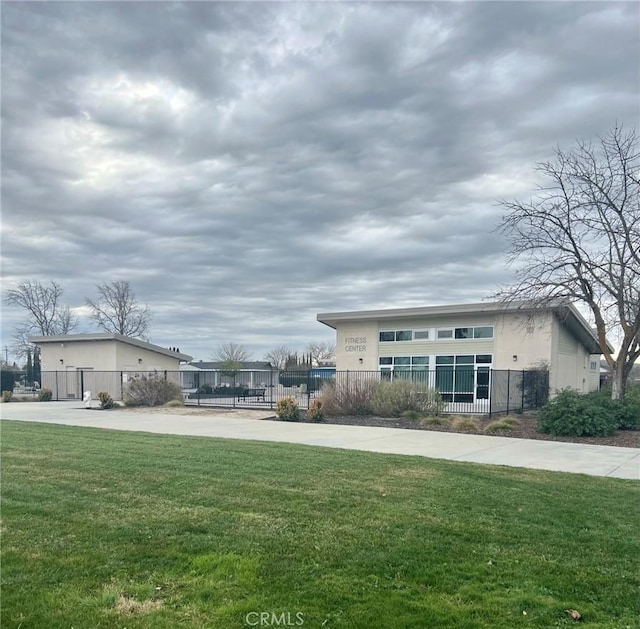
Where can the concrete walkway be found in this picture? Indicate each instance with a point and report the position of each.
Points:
(543, 455)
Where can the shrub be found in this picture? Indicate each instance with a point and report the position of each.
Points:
(151, 391)
(315, 412)
(174, 403)
(571, 413)
(7, 396)
(503, 425)
(392, 399)
(45, 395)
(627, 410)
(106, 401)
(437, 420)
(413, 415)
(348, 398)
(287, 409)
(465, 424)
(205, 388)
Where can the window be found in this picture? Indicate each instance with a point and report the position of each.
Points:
(463, 378)
(480, 332)
(420, 335)
(396, 335)
(594, 365)
(404, 367)
(445, 333)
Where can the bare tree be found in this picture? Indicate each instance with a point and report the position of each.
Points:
(578, 239)
(278, 356)
(48, 316)
(321, 351)
(117, 310)
(232, 356)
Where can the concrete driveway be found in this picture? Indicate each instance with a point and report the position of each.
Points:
(239, 424)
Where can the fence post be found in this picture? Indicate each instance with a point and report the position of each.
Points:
(308, 387)
(522, 406)
(57, 392)
(234, 389)
(82, 384)
(271, 389)
(508, 388)
(490, 391)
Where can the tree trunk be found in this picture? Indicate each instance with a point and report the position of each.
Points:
(617, 381)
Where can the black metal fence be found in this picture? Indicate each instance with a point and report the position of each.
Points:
(465, 389)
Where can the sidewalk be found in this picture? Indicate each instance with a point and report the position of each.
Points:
(556, 456)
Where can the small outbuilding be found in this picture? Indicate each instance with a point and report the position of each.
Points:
(73, 363)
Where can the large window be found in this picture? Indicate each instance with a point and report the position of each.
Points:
(406, 367)
(463, 378)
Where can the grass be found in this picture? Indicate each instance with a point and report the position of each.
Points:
(109, 529)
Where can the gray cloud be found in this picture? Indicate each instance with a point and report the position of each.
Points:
(247, 165)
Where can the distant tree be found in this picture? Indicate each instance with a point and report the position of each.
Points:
(47, 315)
(117, 311)
(321, 351)
(278, 356)
(29, 367)
(578, 239)
(232, 356)
(37, 372)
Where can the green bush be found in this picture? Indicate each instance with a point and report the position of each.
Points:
(627, 410)
(205, 388)
(315, 412)
(106, 401)
(571, 413)
(287, 409)
(7, 396)
(151, 391)
(45, 395)
(393, 399)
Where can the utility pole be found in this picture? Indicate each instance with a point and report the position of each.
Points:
(6, 355)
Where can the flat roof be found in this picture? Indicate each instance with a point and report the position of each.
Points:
(108, 336)
(565, 310)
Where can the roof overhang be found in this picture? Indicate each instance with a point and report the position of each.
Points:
(107, 336)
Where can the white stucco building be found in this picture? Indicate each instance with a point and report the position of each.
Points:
(73, 363)
(469, 338)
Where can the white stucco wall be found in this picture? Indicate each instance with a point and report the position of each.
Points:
(102, 355)
(529, 339)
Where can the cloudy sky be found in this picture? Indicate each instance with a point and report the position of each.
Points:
(248, 165)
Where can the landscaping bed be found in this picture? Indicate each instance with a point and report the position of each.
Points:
(526, 429)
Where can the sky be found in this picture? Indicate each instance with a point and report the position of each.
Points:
(247, 165)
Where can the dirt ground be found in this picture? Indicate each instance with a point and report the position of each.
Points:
(526, 428)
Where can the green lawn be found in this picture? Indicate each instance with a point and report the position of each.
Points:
(114, 529)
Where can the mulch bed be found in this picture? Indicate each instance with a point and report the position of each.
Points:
(527, 429)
